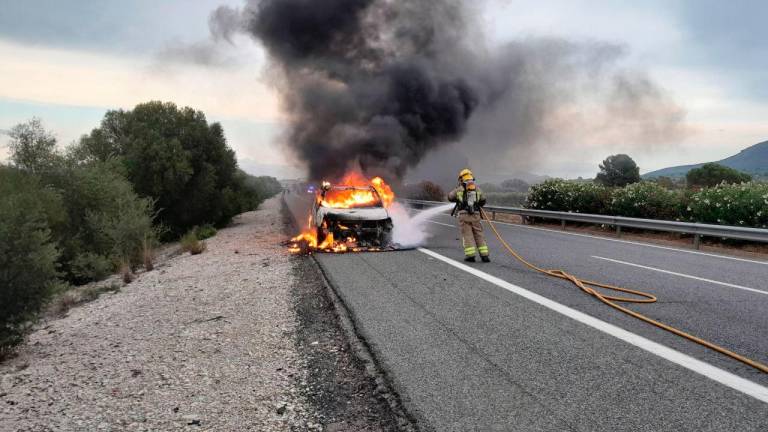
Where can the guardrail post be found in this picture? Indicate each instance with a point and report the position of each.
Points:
(562, 224)
(697, 241)
(493, 215)
(618, 230)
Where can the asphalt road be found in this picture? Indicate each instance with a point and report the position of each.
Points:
(498, 347)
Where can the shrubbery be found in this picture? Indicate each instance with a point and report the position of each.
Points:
(192, 244)
(712, 174)
(561, 195)
(743, 204)
(28, 254)
(107, 223)
(645, 200)
(174, 156)
(425, 190)
(101, 206)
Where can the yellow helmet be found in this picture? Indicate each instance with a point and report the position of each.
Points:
(465, 175)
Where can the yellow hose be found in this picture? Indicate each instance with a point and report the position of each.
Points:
(585, 286)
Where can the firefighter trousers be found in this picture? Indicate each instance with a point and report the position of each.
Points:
(472, 234)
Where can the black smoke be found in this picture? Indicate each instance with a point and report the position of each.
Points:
(362, 81)
(379, 84)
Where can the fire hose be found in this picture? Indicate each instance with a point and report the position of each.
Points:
(589, 287)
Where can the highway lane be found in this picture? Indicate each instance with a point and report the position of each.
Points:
(734, 318)
(465, 354)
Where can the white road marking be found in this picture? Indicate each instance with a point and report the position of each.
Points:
(681, 275)
(694, 252)
(724, 377)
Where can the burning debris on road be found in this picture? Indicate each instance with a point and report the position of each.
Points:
(349, 216)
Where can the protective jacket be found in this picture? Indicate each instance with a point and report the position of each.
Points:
(467, 200)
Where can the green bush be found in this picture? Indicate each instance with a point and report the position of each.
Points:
(645, 200)
(425, 190)
(27, 253)
(744, 204)
(205, 231)
(107, 223)
(561, 195)
(175, 157)
(89, 266)
(190, 243)
(712, 174)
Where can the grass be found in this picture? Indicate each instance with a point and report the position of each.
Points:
(192, 244)
(205, 232)
(75, 297)
(148, 254)
(126, 273)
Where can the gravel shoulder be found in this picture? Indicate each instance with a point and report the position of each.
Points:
(241, 337)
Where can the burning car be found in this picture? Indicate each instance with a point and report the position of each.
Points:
(350, 216)
(352, 212)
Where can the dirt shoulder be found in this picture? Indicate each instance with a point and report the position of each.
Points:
(232, 339)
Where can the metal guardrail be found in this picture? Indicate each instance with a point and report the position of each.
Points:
(696, 229)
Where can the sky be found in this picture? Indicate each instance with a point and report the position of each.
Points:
(69, 62)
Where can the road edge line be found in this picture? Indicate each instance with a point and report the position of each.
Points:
(714, 373)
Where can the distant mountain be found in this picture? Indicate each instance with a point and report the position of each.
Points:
(525, 176)
(752, 160)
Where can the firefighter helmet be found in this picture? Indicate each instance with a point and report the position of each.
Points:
(465, 175)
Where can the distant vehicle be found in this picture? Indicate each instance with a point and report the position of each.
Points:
(352, 212)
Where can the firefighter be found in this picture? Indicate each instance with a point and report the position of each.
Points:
(469, 198)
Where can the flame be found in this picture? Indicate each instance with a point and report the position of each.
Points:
(357, 197)
(343, 198)
(384, 191)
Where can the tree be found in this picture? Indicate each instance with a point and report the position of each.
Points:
(426, 190)
(618, 170)
(107, 222)
(28, 254)
(712, 174)
(32, 147)
(665, 182)
(172, 155)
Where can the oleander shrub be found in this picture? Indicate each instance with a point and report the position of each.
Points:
(645, 200)
(562, 195)
(744, 204)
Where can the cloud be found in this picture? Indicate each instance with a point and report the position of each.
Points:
(71, 77)
(113, 26)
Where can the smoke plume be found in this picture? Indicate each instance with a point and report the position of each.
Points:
(378, 84)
